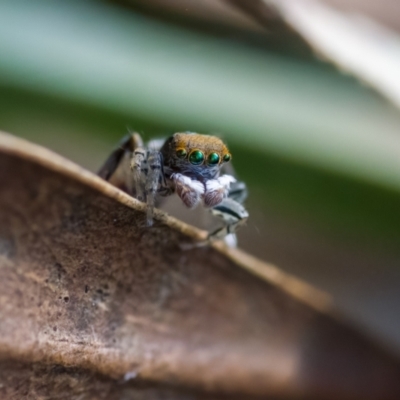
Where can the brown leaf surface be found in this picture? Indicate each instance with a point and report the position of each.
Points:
(95, 305)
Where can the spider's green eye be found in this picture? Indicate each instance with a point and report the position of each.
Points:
(227, 157)
(213, 158)
(181, 153)
(196, 157)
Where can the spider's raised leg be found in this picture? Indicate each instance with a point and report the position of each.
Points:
(117, 167)
(113, 161)
(138, 164)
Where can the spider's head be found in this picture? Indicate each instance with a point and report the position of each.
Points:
(195, 155)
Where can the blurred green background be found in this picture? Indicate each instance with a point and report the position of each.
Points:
(319, 151)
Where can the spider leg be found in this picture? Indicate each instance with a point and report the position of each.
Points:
(232, 212)
(189, 190)
(238, 191)
(153, 178)
(138, 164)
(164, 189)
(117, 168)
(115, 158)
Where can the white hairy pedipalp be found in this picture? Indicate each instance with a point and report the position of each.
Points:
(189, 190)
(217, 190)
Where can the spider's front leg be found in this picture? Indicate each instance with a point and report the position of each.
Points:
(138, 164)
(118, 167)
(155, 182)
(232, 212)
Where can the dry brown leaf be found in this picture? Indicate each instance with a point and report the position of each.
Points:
(95, 305)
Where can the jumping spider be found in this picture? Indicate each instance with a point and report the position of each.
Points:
(190, 164)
